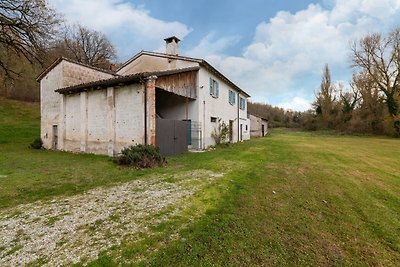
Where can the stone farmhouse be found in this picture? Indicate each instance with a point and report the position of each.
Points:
(164, 99)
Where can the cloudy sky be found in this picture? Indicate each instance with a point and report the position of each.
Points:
(273, 49)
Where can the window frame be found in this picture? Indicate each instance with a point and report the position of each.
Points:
(232, 97)
(214, 87)
(242, 103)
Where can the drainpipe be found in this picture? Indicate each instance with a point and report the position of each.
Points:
(238, 117)
(204, 124)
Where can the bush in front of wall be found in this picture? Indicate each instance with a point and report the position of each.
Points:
(220, 133)
(140, 156)
(36, 144)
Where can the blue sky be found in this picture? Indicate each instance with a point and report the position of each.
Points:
(273, 49)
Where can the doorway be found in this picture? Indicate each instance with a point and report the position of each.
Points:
(231, 131)
(54, 144)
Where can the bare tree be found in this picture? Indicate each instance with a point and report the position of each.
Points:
(25, 26)
(87, 46)
(379, 57)
(349, 99)
(370, 112)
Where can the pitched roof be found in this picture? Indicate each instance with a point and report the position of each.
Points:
(202, 62)
(260, 117)
(121, 80)
(58, 60)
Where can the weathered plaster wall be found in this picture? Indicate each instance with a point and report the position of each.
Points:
(256, 126)
(104, 121)
(72, 123)
(129, 116)
(77, 74)
(149, 63)
(52, 104)
(97, 138)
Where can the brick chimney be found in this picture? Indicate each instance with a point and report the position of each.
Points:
(113, 67)
(172, 45)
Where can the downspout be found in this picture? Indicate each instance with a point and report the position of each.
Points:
(204, 124)
(187, 108)
(238, 117)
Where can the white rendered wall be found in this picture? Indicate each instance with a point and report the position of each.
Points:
(219, 108)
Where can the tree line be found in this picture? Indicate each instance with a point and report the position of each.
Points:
(32, 35)
(371, 103)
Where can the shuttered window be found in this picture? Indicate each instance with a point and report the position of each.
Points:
(232, 97)
(242, 103)
(214, 88)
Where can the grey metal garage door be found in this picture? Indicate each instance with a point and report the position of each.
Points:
(171, 136)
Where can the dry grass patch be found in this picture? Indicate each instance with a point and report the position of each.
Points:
(74, 229)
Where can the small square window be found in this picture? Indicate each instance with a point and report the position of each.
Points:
(213, 119)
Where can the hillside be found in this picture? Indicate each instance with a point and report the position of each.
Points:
(289, 199)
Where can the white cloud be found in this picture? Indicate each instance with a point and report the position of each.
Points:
(132, 26)
(288, 52)
(284, 61)
(296, 103)
(210, 45)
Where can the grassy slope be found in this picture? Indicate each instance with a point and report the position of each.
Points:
(288, 199)
(336, 201)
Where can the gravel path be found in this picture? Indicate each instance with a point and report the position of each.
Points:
(77, 228)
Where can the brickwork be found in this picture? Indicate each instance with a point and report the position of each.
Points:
(151, 109)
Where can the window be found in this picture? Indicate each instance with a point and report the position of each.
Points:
(232, 97)
(213, 119)
(242, 103)
(214, 88)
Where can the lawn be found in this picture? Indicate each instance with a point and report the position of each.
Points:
(292, 198)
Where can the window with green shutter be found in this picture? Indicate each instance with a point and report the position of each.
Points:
(232, 97)
(242, 103)
(214, 88)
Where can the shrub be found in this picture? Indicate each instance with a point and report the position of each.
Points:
(220, 133)
(140, 156)
(36, 144)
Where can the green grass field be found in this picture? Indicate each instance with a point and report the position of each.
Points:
(292, 198)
